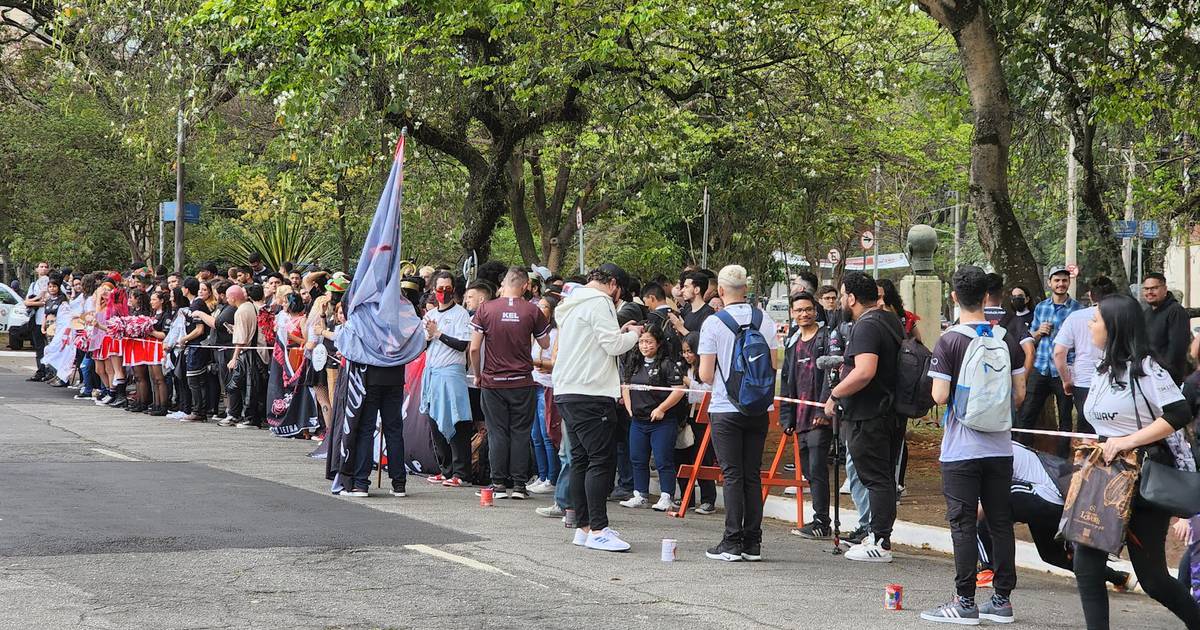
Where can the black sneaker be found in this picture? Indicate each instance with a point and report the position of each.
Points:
(725, 552)
(857, 536)
(518, 493)
(814, 531)
(752, 552)
(398, 488)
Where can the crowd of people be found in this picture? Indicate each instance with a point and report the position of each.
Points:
(532, 383)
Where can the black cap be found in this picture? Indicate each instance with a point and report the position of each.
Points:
(617, 273)
(210, 267)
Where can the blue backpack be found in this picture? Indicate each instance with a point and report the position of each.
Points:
(750, 384)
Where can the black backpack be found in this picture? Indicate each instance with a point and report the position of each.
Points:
(912, 395)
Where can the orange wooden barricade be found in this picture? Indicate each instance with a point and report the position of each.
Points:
(695, 471)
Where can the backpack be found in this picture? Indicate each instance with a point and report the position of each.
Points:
(912, 389)
(982, 400)
(914, 386)
(750, 384)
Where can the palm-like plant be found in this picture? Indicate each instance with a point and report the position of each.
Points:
(283, 238)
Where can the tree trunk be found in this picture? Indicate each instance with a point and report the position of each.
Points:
(516, 210)
(343, 234)
(1095, 216)
(999, 234)
(487, 200)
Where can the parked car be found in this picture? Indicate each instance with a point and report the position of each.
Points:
(13, 316)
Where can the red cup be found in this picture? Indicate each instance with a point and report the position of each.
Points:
(487, 497)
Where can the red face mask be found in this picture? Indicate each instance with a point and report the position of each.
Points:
(444, 296)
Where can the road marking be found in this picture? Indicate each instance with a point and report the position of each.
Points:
(467, 562)
(12, 354)
(114, 454)
(463, 560)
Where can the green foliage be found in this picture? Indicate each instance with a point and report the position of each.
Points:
(284, 237)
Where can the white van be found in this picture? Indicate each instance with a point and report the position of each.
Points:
(12, 309)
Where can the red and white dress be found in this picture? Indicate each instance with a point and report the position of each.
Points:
(141, 351)
(104, 345)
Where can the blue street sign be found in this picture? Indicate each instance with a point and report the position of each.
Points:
(1125, 229)
(1149, 229)
(191, 211)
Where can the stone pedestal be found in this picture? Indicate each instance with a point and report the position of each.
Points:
(923, 295)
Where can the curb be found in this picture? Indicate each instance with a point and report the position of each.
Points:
(930, 538)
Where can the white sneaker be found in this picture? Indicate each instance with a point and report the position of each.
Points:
(580, 537)
(790, 491)
(175, 415)
(868, 551)
(636, 501)
(541, 487)
(358, 494)
(664, 503)
(606, 540)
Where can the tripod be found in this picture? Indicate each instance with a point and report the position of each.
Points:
(836, 421)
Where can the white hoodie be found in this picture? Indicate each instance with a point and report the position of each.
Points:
(589, 340)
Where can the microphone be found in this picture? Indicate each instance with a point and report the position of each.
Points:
(829, 362)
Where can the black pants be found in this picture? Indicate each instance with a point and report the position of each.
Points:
(872, 445)
(38, 340)
(454, 455)
(739, 440)
(1078, 399)
(479, 476)
(1038, 388)
(1145, 540)
(1042, 517)
(509, 414)
(385, 402)
(968, 484)
(246, 390)
(900, 451)
(591, 426)
(814, 461)
(221, 357)
(708, 488)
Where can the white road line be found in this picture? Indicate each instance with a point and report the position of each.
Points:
(463, 560)
(467, 562)
(114, 454)
(13, 354)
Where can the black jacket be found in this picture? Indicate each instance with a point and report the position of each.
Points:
(787, 411)
(1170, 336)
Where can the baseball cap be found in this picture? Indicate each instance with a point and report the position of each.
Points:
(1057, 269)
(617, 274)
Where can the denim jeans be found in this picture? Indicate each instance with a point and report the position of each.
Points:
(562, 490)
(659, 437)
(86, 374)
(624, 467)
(858, 493)
(544, 452)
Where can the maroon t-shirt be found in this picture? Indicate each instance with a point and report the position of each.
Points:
(509, 325)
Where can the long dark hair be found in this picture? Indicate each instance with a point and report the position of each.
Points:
(551, 300)
(1127, 345)
(141, 302)
(692, 339)
(633, 364)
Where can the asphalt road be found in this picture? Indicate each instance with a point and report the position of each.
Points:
(113, 520)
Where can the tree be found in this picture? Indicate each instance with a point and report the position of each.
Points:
(999, 233)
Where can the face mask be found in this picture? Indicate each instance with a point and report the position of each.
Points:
(443, 296)
(1018, 303)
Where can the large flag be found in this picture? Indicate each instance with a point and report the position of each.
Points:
(382, 328)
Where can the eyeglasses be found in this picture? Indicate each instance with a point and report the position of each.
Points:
(804, 309)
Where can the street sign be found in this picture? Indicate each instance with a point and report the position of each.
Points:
(191, 212)
(834, 256)
(868, 240)
(1125, 229)
(1149, 229)
(1073, 270)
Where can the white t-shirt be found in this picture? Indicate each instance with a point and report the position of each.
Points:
(1074, 335)
(1028, 469)
(544, 354)
(716, 338)
(36, 288)
(1110, 404)
(455, 323)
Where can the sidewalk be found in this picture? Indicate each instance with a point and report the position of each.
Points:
(926, 537)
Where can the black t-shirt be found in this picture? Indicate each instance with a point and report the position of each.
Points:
(53, 302)
(222, 333)
(694, 319)
(659, 374)
(197, 306)
(877, 332)
(385, 376)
